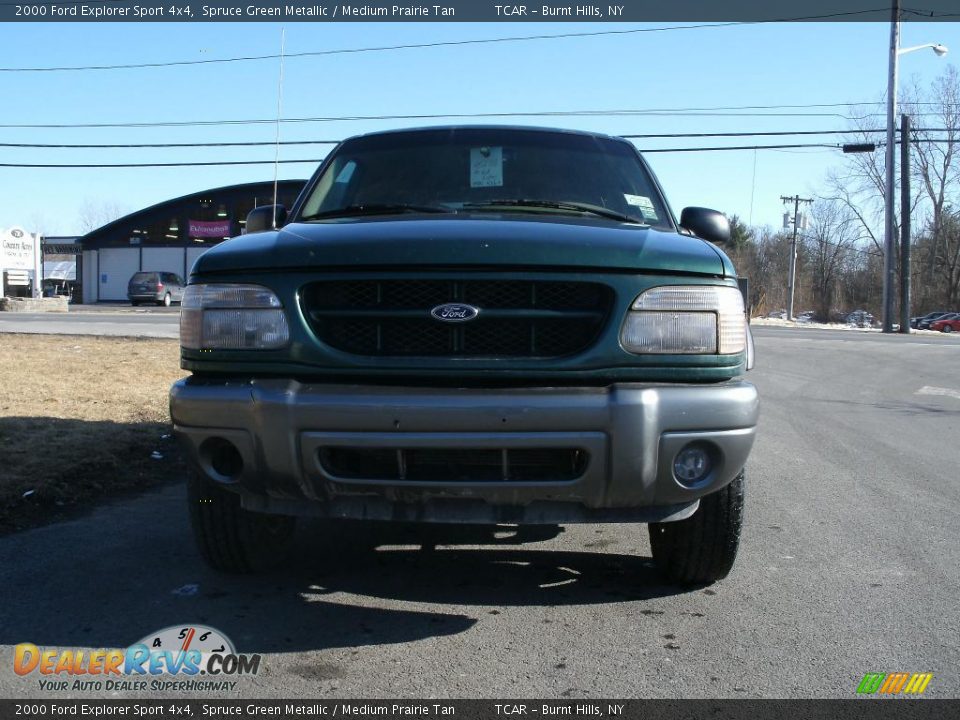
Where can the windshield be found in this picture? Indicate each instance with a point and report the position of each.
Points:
(487, 170)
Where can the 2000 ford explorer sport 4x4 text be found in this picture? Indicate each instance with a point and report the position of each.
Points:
(470, 325)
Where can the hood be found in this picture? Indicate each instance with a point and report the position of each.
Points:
(486, 240)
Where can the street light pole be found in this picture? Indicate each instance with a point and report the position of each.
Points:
(889, 231)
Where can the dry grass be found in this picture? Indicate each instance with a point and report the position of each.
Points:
(79, 419)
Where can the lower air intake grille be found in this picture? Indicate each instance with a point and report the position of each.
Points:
(454, 465)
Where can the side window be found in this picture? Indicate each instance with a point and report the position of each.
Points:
(331, 188)
(343, 185)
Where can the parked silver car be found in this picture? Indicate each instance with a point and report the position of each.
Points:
(162, 288)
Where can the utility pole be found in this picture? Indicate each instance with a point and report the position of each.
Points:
(905, 224)
(889, 230)
(792, 278)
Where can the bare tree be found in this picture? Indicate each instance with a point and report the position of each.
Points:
(943, 244)
(831, 237)
(97, 213)
(935, 160)
(860, 184)
(768, 280)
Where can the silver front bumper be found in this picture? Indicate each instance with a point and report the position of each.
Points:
(630, 432)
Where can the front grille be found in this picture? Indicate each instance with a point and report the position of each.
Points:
(454, 465)
(518, 318)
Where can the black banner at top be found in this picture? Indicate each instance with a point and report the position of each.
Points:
(473, 11)
(432, 709)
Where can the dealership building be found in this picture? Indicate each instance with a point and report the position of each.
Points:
(171, 235)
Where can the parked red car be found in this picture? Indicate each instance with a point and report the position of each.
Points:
(948, 323)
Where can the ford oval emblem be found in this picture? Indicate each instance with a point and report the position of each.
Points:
(455, 312)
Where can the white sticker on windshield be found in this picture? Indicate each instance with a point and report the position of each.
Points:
(486, 167)
(647, 209)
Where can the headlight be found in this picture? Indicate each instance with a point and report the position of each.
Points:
(686, 319)
(232, 317)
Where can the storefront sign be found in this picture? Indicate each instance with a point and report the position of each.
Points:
(62, 249)
(18, 249)
(209, 229)
(20, 253)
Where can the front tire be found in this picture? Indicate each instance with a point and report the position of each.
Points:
(231, 539)
(701, 549)
(166, 300)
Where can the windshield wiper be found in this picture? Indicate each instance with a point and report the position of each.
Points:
(376, 209)
(557, 205)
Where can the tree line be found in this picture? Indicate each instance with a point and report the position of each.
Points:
(840, 249)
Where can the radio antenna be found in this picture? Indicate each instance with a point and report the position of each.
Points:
(276, 158)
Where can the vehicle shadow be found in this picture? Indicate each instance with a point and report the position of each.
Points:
(471, 566)
(128, 570)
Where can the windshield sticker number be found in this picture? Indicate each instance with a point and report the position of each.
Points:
(486, 167)
(647, 209)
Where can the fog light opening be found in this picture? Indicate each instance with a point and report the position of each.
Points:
(221, 459)
(693, 464)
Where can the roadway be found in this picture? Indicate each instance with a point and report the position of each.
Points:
(105, 320)
(848, 565)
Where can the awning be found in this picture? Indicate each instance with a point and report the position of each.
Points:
(60, 270)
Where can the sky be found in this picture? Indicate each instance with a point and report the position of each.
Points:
(750, 65)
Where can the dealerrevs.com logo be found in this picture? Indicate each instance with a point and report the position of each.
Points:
(179, 658)
(894, 683)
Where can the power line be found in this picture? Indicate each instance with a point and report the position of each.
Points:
(109, 146)
(262, 162)
(928, 13)
(776, 132)
(739, 147)
(720, 111)
(155, 165)
(538, 113)
(721, 148)
(447, 43)
(264, 143)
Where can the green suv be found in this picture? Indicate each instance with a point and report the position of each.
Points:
(470, 325)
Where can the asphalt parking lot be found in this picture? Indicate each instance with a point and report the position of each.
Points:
(848, 565)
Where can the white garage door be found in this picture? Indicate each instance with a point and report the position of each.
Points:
(163, 260)
(117, 266)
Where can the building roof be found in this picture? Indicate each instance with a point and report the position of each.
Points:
(133, 217)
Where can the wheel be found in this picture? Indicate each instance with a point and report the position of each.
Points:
(947, 328)
(135, 303)
(166, 300)
(702, 548)
(232, 539)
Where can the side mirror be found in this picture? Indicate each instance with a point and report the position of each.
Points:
(261, 218)
(706, 224)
